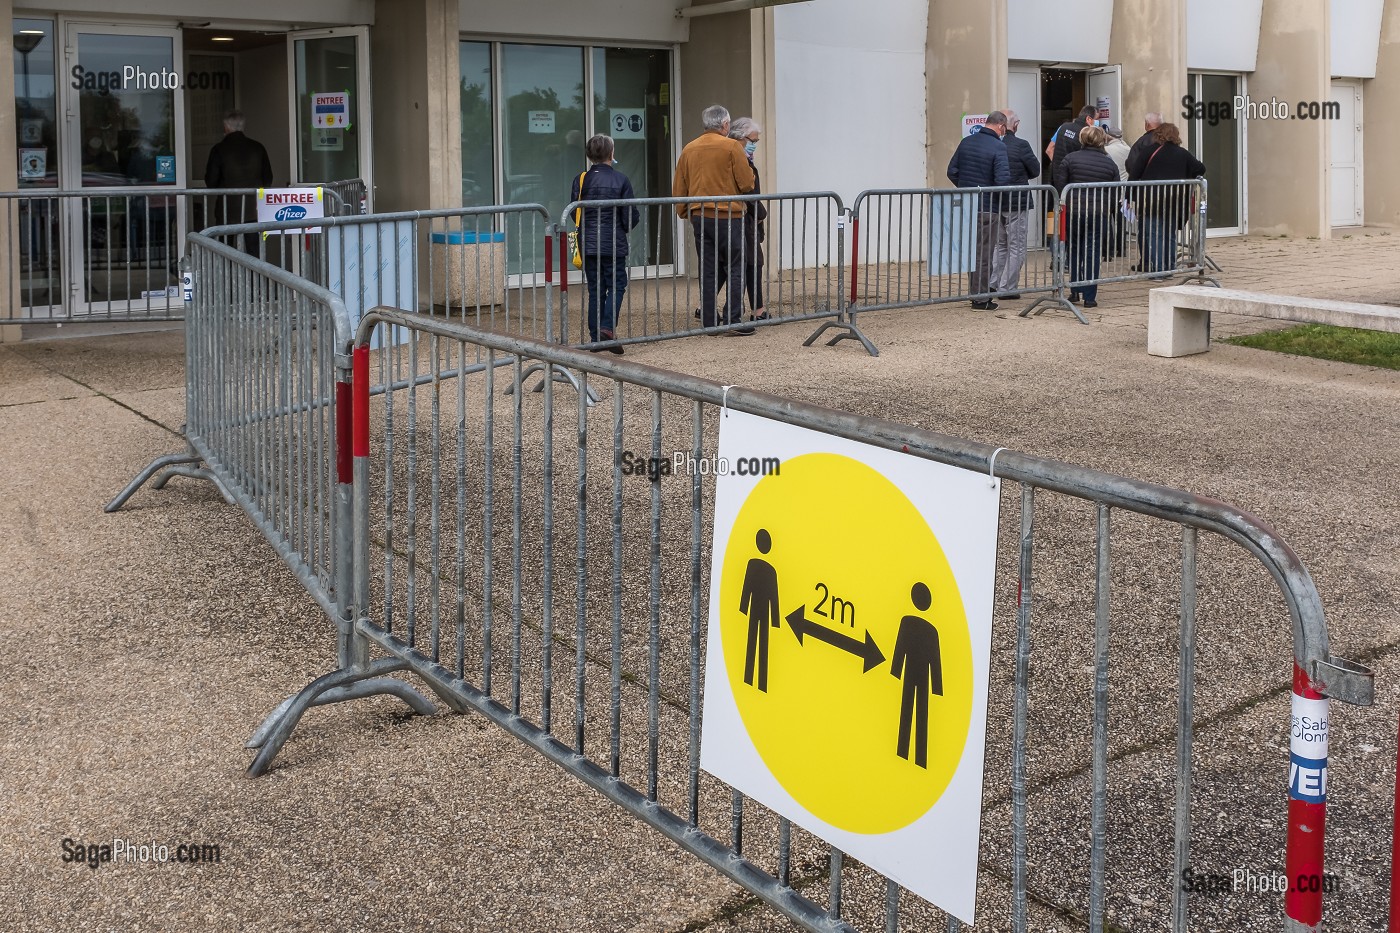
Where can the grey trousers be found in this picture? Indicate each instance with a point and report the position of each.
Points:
(988, 223)
(1010, 253)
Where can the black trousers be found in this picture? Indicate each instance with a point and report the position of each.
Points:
(720, 244)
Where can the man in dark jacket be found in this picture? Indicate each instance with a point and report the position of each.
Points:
(238, 162)
(1066, 140)
(603, 237)
(981, 162)
(1010, 253)
(1144, 145)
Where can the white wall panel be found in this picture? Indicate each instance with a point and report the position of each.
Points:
(1356, 35)
(850, 95)
(1222, 35)
(1059, 30)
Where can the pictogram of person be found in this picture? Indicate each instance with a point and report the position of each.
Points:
(760, 603)
(918, 663)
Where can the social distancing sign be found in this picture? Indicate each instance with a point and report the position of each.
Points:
(849, 636)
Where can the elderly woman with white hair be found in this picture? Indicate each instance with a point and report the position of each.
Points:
(748, 132)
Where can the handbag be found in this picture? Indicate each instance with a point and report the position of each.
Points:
(575, 242)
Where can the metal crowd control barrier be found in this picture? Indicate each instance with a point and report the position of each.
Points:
(756, 260)
(924, 246)
(493, 540)
(267, 409)
(486, 265)
(1129, 231)
(103, 255)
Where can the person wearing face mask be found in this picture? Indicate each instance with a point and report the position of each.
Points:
(749, 133)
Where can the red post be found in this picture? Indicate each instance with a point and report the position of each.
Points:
(344, 459)
(1395, 853)
(548, 259)
(855, 254)
(361, 374)
(563, 261)
(1307, 802)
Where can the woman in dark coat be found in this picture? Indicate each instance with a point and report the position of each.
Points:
(1164, 209)
(748, 133)
(1088, 209)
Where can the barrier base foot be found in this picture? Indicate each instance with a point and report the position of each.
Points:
(1052, 300)
(335, 687)
(560, 375)
(1199, 279)
(168, 466)
(848, 331)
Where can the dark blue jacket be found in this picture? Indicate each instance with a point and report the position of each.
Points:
(980, 162)
(605, 229)
(1024, 165)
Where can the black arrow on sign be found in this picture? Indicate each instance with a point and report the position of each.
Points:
(801, 625)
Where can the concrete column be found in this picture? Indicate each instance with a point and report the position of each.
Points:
(718, 66)
(966, 73)
(1149, 41)
(1382, 134)
(764, 108)
(1288, 159)
(417, 110)
(9, 175)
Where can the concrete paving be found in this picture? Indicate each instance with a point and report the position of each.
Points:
(142, 648)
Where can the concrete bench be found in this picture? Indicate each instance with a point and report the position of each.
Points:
(1178, 316)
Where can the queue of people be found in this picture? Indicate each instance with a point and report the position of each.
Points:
(716, 169)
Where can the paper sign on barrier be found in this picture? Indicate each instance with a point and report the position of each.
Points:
(849, 644)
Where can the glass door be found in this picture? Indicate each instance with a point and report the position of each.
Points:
(1219, 143)
(124, 121)
(330, 109)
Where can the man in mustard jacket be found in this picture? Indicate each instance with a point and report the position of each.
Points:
(714, 167)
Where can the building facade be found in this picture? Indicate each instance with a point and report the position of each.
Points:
(461, 102)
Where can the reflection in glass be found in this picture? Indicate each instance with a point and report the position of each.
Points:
(126, 117)
(1220, 151)
(36, 107)
(542, 125)
(478, 148)
(631, 101)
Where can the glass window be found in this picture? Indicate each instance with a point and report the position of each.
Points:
(126, 109)
(543, 122)
(1219, 147)
(632, 104)
(327, 66)
(36, 106)
(478, 143)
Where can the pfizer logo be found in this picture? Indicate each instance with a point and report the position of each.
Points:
(291, 212)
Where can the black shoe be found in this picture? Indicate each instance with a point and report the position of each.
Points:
(697, 314)
(761, 317)
(1090, 304)
(984, 306)
(744, 331)
(1074, 298)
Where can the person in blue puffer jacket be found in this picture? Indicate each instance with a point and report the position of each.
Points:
(603, 238)
(981, 162)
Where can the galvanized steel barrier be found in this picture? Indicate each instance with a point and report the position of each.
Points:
(925, 246)
(107, 255)
(523, 571)
(757, 260)
(1129, 231)
(267, 409)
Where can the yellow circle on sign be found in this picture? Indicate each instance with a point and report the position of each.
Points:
(859, 698)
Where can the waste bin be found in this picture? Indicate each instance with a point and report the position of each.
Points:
(469, 268)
